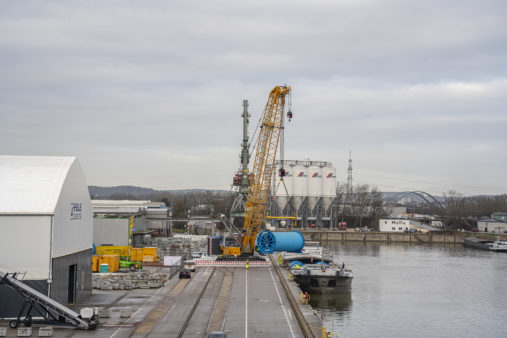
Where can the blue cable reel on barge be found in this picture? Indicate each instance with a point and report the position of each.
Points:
(270, 241)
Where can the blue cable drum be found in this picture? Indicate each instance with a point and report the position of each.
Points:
(269, 242)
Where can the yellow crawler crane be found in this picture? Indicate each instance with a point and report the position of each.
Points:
(260, 181)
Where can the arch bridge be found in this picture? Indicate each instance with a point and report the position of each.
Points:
(426, 197)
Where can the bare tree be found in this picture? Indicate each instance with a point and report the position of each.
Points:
(363, 205)
(340, 201)
(377, 210)
(361, 202)
(456, 210)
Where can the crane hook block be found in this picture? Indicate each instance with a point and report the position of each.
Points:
(289, 115)
(282, 172)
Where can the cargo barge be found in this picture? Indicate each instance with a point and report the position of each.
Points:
(315, 271)
(322, 279)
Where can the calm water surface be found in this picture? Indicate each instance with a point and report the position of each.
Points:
(418, 291)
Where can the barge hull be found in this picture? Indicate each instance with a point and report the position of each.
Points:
(324, 284)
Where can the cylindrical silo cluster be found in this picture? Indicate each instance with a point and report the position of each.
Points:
(309, 190)
(314, 183)
(299, 185)
(283, 190)
(328, 186)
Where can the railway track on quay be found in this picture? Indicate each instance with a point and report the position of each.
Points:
(172, 316)
(194, 307)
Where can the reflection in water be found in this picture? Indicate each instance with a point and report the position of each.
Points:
(440, 290)
(340, 302)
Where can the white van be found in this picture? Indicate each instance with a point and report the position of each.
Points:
(189, 265)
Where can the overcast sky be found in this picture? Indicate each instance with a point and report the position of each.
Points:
(149, 93)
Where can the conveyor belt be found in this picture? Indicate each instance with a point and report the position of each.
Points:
(57, 314)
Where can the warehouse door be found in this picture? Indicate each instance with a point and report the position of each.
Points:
(72, 284)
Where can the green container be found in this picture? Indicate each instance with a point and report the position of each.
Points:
(104, 268)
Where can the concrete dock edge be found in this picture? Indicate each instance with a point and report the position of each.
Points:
(308, 322)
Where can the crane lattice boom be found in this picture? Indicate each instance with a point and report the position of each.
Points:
(263, 167)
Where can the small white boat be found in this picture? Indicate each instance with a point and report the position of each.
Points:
(500, 246)
(484, 244)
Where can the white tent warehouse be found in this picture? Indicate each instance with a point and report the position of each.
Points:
(46, 228)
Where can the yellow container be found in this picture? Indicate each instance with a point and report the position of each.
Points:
(113, 261)
(150, 252)
(95, 263)
(125, 250)
(107, 250)
(148, 259)
(136, 254)
(112, 250)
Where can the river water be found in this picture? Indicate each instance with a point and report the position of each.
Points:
(417, 291)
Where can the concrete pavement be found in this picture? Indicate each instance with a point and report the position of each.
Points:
(243, 303)
(258, 307)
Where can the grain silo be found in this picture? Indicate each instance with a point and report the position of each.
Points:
(328, 186)
(283, 189)
(299, 184)
(314, 185)
(312, 188)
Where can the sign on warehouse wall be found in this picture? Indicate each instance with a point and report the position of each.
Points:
(76, 211)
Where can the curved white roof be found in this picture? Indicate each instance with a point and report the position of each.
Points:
(32, 184)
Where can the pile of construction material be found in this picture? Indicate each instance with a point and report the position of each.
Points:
(179, 245)
(199, 229)
(193, 238)
(128, 281)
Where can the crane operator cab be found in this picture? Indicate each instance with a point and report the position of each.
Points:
(231, 245)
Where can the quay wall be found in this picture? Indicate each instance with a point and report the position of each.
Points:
(385, 237)
(309, 323)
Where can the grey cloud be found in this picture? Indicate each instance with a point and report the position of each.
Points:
(156, 87)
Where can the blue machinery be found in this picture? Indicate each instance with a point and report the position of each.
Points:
(269, 242)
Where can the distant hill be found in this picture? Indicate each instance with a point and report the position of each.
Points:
(105, 192)
(132, 192)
